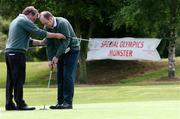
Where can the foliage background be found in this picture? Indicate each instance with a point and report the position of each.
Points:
(102, 18)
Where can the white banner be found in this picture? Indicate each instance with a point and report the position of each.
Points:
(123, 49)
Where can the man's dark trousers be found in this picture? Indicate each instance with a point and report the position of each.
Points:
(16, 69)
(66, 74)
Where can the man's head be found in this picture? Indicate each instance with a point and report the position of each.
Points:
(31, 13)
(46, 19)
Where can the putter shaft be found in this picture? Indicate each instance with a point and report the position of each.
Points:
(50, 76)
(49, 82)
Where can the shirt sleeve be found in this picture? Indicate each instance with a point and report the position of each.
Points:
(65, 42)
(50, 49)
(30, 42)
(33, 29)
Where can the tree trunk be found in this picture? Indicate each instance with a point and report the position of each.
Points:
(172, 41)
(171, 59)
(82, 64)
(82, 61)
(82, 70)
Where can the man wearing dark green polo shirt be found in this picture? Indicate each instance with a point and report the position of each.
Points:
(66, 61)
(18, 39)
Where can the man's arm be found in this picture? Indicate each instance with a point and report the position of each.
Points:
(55, 35)
(50, 49)
(62, 48)
(33, 29)
(35, 42)
(38, 42)
(50, 52)
(64, 45)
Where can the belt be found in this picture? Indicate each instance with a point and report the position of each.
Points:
(71, 48)
(75, 48)
(15, 50)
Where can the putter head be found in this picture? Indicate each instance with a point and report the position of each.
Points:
(44, 108)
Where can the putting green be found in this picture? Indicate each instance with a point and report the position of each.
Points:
(122, 110)
(103, 102)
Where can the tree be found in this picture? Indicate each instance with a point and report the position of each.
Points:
(87, 17)
(174, 8)
(111, 18)
(150, 16)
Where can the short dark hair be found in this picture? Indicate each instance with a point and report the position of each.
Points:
(30, 10)
(46, 14)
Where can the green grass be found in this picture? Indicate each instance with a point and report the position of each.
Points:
(153, 75)
(106, 94)
(147, 76)
(130, 110)
(37, 74)
(150, 76)
(104, 102)
(124, 100)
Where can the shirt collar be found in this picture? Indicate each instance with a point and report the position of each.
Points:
(22, 15)
(55, 23)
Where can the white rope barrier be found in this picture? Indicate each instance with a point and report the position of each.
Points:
(81, 39)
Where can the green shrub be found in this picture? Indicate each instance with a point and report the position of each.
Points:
(178, 46)
(4, 25)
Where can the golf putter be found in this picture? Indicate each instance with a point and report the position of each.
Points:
(49, 82)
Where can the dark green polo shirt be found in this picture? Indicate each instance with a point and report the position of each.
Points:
(19, 34)
(56, 47)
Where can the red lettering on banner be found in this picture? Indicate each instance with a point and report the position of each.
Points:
(113, 44)
(125, 53)
(132, 44)
(124, 44)
(104, 44)
(109, 44)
